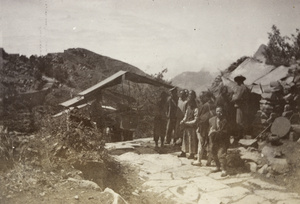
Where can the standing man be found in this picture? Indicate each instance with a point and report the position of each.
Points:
(160, 119)
(240, 98)
(190, 124)
(172, 104)
(183, 94)
(219, 141)
(206, 111)
(96, 113)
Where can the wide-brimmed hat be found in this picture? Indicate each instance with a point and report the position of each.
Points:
(239, 78)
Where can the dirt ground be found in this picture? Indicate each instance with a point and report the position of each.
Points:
(33, 180)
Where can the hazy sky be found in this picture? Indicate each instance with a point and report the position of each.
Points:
(185, 35)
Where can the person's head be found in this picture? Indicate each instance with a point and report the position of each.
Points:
(239, 79)
(219, 112)
(192, 95)
(173, 91)
(287, 107)
(223, 90)
(192, 98)
(183, 94)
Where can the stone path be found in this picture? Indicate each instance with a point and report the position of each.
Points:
(178, 181)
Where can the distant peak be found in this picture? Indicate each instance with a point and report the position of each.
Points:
(259, 53)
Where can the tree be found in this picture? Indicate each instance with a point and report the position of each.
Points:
(278, 51)
(160, 76)
(296, 44)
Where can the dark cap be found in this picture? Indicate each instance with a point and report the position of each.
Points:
(239, 78)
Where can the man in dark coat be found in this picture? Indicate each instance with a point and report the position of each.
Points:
(160, 119)
(219, 141)
(240, 98)
(172, 104)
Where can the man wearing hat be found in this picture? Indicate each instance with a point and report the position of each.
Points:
(172, 104)
(240, 99)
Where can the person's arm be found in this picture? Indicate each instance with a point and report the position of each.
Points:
(182, 122)
(195, 120)
(211, 126)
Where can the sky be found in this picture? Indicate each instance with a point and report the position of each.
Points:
(180, 35)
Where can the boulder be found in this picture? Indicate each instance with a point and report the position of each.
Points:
(109, 196)
(263, 169)
(252, 166)
(85, 183)
(278, 165)
(248, 142)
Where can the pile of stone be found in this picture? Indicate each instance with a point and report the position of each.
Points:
(266, 160)
(272, 103)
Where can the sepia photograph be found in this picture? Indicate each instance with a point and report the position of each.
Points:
(150, 101)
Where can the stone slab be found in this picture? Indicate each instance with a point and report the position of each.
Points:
(231, 181)
(207, 184)
(276, 195)
(186, 172)
(230, 194)
(208, 199)
(159, 176)
(187, 193)
(262, 184)
(168, 184)
(252, 199)
(289, 201)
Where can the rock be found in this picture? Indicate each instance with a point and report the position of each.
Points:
(252, 166)
(76, 197)
(109, 196)
(85, 183)
(279, 165)
(263, 169)
(251, 156)
(248, 142)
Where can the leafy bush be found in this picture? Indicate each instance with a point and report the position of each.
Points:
(282, 49)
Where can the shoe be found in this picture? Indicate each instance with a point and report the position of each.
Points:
(196, 163)
(224, 173)
(191, 156)
(182, 155)
(215, 170)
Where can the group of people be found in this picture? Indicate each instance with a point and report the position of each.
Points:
(201, 127)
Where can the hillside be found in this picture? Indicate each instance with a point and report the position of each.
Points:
(27, 83)
(77, 68)
(198, 81)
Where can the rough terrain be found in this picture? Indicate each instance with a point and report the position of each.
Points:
(165, 178)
